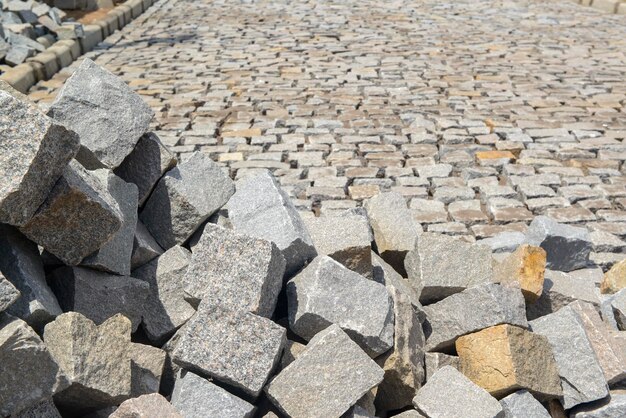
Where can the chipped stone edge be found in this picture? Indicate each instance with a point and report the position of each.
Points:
(63, 53)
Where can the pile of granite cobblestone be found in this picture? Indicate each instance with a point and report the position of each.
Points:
(136, 285)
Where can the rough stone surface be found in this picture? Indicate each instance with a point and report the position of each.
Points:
(609, 351)
(504, 242)
(261, 209)
(409, 414)
(234, 347)
(440, 266)
(527, 266)
(184, 198)
(522, 404)
(235, 271)
(30, 374)
(107, 115)
(618, 303)
(99, 296)
(194, 396)
(78, 217)
(145, 247)
(145, 165)
(614, 279)
(567, 247)
(115, 255)
(395, 230)
(505, 358)
(615, 406)
(22, 266)
(470, 311)
(146, 368)
(404, 363)
(165, 308)
(560, 289)
(450, 394)
(146, 406)
(384, 274)
(34, 151)
(436, 361)
(326, 379)
(45, 409)
(582, 378)
(8, 293)
(326, 292)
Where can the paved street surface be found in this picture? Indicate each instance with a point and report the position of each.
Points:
(482, 113)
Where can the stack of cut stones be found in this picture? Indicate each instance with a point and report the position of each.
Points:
(136, 285)
(28, 27)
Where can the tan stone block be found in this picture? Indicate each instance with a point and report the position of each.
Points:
(363, 191)
(527, 266)
(614, 279)
(505, 358)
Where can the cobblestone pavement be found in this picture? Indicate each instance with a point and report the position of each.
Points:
(482, 113)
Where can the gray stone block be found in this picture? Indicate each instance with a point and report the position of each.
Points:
(146, 364)
(384, 274)
(450, 394)
(98, 296)
(237, 348)
(504, 242)
(115, 255)
(8, 293)
(165, 308)
(108, 116)
(436, 361)
(146, 406)
(261, 209)
(581, 375)
(326, 293)
(618, 303)
(145, 247)
(326, 379)
(35, 151)
(22, 266)
(96, 360)
(236, 271)
(194, 396)
(612, 407)
(395, 230)
(440, 266)
(78, 217)
(184, 198)
(146, 164)
(45, 409)
(472, 310)
(567, 246)
(30, 374)
(522, 404)
(345, 239)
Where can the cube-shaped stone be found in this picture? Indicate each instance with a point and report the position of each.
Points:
(108, 116)
(236, 271)
(145, 406)
(184, 198)
(526, 266)
(145, 247)
(235, 347)
(146, 368)
(505, 358)
(614, 279)
(326, 379)
(522, 404)
(326, 293)
(34, 152)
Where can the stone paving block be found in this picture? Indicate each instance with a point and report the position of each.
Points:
(146, 164)
(472, 310)
(567, 247)
(96, 360)
(615, 406)
(615, 279)
(35, 151)
(345, 239)
(395, 231)
(194, 396)
(45, 409)
(504, 358)
(145, 247)
(504, 242)
(618, 303)
(98, 296)
(527, 266)
(326, 379)
(261, 209)
(440, 266)
(384, 274)
(236, 271)
(236, 348)
(436, 361)
(146, 368)
(21, 264)
(115, 255)
(184, 198)
(106, 114)
(522, 404)
(146, 406)
(165, 308)
(30, 373)
(582, 378)
(326, 293)
(77, 218)
(448, 393)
